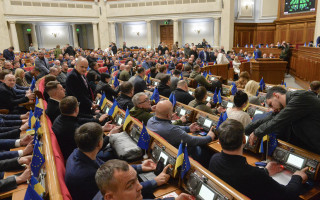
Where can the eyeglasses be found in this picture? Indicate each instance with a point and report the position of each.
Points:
(146, 100)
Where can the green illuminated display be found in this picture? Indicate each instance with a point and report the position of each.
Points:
(294, 6)
(28, 29)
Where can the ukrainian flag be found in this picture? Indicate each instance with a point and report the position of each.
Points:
(36, 186)
(127, 119)
(31, 194)
(103, 101)
(179, 159)
(32, 119)
(38, 110)
(37, 160)
(114, 109)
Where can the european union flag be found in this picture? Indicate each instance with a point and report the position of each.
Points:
(168, 71)
(251, 46)
(262, 84)
(144, 139)
(37, 109)
(155, 96)
(267, 46)
(148, 79)
(31, 194)
(219, 97)
(172, 98)
(37, 160)
(284, 83)
(114, 109)
(116, 81)
(36, 185)
(33, 84)
(233, 89)
(215, 97)
(222, 118)
(186, 163)
(88, 68)
(210, 73)
(103, 101)
(205, 74)
(259, 45)
(257, 93)
(179, 160)
(273, 143)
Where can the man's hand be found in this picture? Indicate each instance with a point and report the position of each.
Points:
(221, 109)
(303, 174)
(252, 139)
(103, 117)
(174, 116)
(26, 140)
(184, 196)
(95, 106)
(163, 177)
(153, 108)
(211, 133)
(183, 119)
(194, 127)
(108, 126)
(208, 104)
(28, 150)
(24, 121)
(25, 160)
(148, 165)
(30, 96)
(26, 175)
(273, 168)
(24, 127)
(25, 116)
(116, 129)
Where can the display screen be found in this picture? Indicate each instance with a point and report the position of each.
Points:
(190, 93)
(295, 161)
(258, 112)
(229, 105)
(156, 83)
(208, 98)
(207, 123)
(206, 193)
(212, 78)
(98, 102)
(296, 6)
(247, 138)
(107, 109)
(182, 111)
(120, 121)
(164, 156)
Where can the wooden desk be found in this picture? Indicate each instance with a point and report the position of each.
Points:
(19, 194)
(166, 189)
(272, 71)
(275, 51)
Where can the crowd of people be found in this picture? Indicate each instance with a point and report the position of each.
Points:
(79, 125)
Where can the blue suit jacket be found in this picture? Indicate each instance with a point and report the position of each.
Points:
(146, 65)
(201, 56)
(7, 144)
(8, 154)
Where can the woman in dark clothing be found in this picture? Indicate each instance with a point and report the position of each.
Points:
(103, 86)
(94, 66)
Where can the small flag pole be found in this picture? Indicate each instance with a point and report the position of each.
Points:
(145, 156)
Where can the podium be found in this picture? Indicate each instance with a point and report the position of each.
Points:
(271, 69)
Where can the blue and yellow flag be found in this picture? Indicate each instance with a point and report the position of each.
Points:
(115, 81)
(127, 119)
(144, 139)
(219, 97)
(31, 194)
(37, 160)
(32, 119)
(148, 79)
(179, 160)
(38, 110)
(284, 83)
(181, 77)
(103, 101)
(33, 84)
(114, 109)
(186, 163)
(246, 46)
(267, 46)
(155, 96)
(223, 117)
(36, 186)
(215, 97)
(233, 89)
(205, 74)
(272, 143)
(172, 98)
(262, 84)
(210, 72)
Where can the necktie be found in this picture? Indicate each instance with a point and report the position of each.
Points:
(84, 80)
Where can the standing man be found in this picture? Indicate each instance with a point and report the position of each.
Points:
(8, 53)
(77, 85)
(204, 55)
(257, 53)
(42, 64)
(31, 48)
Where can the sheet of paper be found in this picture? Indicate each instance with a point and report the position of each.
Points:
(283, 177)
(172, 194)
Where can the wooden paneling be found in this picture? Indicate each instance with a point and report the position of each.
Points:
(166, 35)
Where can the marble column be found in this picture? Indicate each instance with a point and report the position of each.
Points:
(149, 35)
(75, 36)
(95, 35)
(113, 32)
(34, 37)
(216, 33)
(227, 25)
(14, 36)
(175, 31)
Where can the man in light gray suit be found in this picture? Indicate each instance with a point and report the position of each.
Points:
(42, 64)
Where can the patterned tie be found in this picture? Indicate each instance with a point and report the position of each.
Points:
(84, 80)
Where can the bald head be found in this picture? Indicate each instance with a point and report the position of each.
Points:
(128, 68)
(82, 65)
(164, 110)
(122, 67)
(182, 84)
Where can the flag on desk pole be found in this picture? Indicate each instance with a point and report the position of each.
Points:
(186, 163)
(219, 97)
(33, 84)
(32, 119)
(37, 109)
(215, 96)
(114, 109)
(36, 185)
(233, 88)
(31, 194)
(179, 160)
(181, 77)
(127, 119)
(103, 101)
(172, 98)
(115, 81)
(144, 139)
(223, 117)
(262, 84)
(155, 96)
(37, 160)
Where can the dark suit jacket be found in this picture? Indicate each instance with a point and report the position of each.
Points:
(201, 56)
(171, 66)
(69, 51)
(11, 100)
(77, 88)
(8, 55)
(252, 181)
(53, 110)
(111, 94)
(10, 182)
(125, 102)
(7, 144)
(8, 154)
(164, 90)
(183, 96)
(139, 85)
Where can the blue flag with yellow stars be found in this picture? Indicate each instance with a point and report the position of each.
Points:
(37, 160)
(233, 89)
(181, 77)
(186, 163)
(172, 98)
(155, 96)
(219, 97)
(37, 109)
(31, 194)
(115, 81)
(33, 84)
(215, 96)
(262, 84)
(272, 143)
(223, 117)
(210, 73)
(144, 139)
(36, 185)
(148, 79)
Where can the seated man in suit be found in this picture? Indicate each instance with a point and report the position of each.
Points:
(204, 55)
(7, 144)
(173, 64)
(125, 98)
(161, 124)
(64, 125)
(34, 73)
(10, 100)
(175, 79)
(75, 80)
(201, 80)
(116, 179)
(181, 93)
(164, 87)
(254, 182)
(146, 63)
(56, 93)
(139, 84)
(43, 64)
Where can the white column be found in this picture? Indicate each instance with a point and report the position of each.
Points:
(227, 25)
(175, 31)
(113, 32)
(149, 35)
(14, 36)
(95, 35)
(34, 37)
(75, 36)
(317, 27)
(216, 33)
